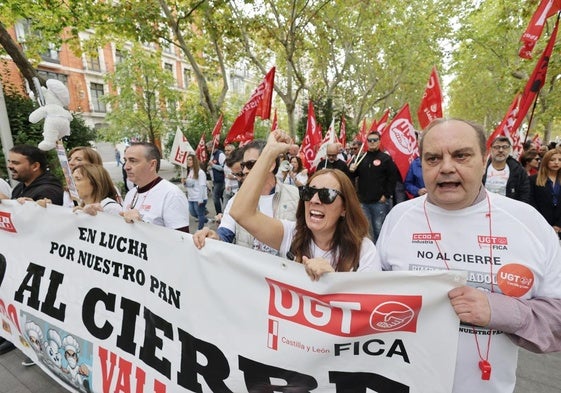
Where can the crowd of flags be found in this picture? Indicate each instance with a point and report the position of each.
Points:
(398, 135)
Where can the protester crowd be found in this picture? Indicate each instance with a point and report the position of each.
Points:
(346, 214)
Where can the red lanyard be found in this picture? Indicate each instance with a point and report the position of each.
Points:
(484, 364)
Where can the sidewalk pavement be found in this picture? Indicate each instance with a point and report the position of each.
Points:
(536, 374)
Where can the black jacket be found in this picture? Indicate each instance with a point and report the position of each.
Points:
(518, 184)
(338, 164)
(45, 186)
(542, 200)
(377, 175)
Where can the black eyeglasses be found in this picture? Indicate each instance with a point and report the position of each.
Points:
(373, 139)
(248, 164)
(326, 195)
(238, 174)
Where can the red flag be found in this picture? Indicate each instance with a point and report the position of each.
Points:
(361, 136)
(546, 8)
(312, 138)
(400, 141)
(275, 123)
(242, 129)
(201, 150)
(381, 125)
(343, 132)
(505, 128)
(536, 81)
(431, 104)
(266, 90)
(216, 133)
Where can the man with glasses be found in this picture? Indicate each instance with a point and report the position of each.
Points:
(376, 176)
(505, 175)
(276, 200)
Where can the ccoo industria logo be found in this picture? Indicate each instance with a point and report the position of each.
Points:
(6, 223)
(344, 314)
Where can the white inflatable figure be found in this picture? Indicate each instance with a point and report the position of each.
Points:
(57, 119)
(35, 335)
(52, 349)
(78, 374)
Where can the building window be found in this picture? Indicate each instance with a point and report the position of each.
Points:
(119, 56)
(96, 91)
(93, 63)
(168, 67)
(53, 75)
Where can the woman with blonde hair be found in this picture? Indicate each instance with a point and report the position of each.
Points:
(81, 155)
(331, 231)
(545, 189)
(96, 189)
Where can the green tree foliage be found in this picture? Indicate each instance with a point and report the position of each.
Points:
(488, 73)
(144, 101)
(360, 56)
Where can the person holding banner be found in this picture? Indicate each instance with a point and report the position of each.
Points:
(330, 232)
(276, 199)
(154, 200)
(28, 165)
(511, 256)
(96, 190)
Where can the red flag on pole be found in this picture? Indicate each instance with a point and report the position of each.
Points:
(381, 125)
(312, 138)
(537, 80)
(400, 141)
(201, 149)
(505, 128)
(431, 104)
(258, 105)
(275, 123)
(267, 86)
(546, 8)
(216, 133)
(343, 132)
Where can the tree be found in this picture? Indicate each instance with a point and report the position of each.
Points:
(143, 98)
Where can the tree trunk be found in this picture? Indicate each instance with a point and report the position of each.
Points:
(14, 51)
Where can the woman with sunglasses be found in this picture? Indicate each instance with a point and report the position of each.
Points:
(330, 232)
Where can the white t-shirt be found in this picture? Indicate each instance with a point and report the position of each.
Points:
(196, 188)
(496, 179)
(164, 205)
(367, 261)
(522, 245)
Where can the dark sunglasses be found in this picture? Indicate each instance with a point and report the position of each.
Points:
(248, 164)
(238, 174)
(326, 195)
(373, 139)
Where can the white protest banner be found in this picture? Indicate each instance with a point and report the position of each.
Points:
(106, 306)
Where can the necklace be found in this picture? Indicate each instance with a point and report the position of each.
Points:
(143, 189)
(484, 364)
